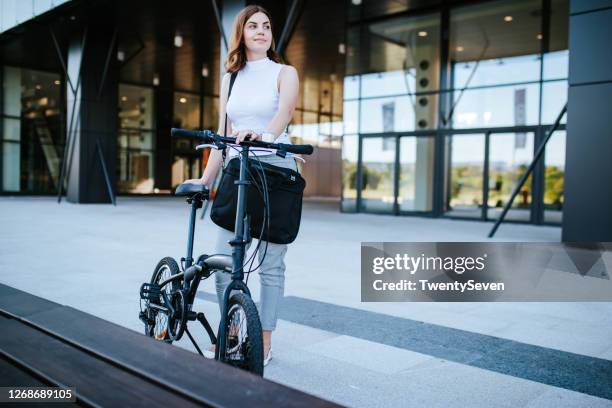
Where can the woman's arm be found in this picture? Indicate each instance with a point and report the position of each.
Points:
(289, 88)
(215, 158)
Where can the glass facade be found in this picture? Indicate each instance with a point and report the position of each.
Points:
(136, 140)
(420, 107)
(467, 112)
(31, 141)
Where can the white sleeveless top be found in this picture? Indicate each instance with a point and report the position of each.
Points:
(254, 99)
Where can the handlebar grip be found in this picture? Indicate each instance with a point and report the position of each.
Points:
(297, 149)
(201, 134)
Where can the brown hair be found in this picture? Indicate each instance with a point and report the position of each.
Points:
(236, 57)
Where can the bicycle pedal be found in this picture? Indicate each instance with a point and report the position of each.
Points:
(150, 291)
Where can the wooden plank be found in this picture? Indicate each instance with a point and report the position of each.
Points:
(12, 376)
(207, 380)
(94, 379)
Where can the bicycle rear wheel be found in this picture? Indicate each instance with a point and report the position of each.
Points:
(164, 326)
(243, 336)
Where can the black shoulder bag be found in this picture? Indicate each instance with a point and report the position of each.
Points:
(285, 190)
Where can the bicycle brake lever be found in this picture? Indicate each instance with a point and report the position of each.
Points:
(203, 146)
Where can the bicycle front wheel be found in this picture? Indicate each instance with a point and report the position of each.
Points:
(243, 336)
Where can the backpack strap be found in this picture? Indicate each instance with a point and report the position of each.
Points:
(231, 85)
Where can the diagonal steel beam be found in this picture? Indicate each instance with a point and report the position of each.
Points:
(219, 22)
(290, 24)
(107, 63)
(61, 57)
(520, 183)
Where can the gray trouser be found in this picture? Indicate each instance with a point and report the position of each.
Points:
(271, 271)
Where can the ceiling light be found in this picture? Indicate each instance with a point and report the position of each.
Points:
(459, 48)
(57, 82)
(341, 48)
(422, 33)
(124, 98)
(156, 80)
(539, 36)
(38, 86)
(178, 40)
(507, 19)
(204, 70)
(120, 55)
(356, 2)
(182, 99)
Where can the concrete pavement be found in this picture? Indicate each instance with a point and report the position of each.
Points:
(328, 343)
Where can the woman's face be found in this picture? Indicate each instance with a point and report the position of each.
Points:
(257, 33)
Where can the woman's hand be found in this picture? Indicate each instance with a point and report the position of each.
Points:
(244, 134)
(194, 181)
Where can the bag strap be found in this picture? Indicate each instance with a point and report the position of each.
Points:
(231, 85)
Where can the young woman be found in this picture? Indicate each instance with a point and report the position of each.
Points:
(260, 106)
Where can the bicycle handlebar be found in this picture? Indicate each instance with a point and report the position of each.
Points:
(209, 136)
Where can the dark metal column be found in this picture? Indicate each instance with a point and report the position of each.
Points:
(94, 111)
(587, 214)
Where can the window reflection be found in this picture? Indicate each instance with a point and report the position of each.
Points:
(377, 174)
(32, 137)
(186, 110)
(554, 97)
(554, 177)
(135, 140)
(465, 175)
(515, 105)
(349, 172)
(509, 157)
(416, 173)
(497, 71)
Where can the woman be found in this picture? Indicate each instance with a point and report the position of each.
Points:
(260, 106)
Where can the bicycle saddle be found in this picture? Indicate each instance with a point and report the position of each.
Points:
(191, 189)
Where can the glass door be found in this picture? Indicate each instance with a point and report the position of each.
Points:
(465, 156)
(378, 174)
(509, 156)
(416, 168)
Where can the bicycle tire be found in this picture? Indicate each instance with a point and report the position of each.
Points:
(252, 347)
(164, 269)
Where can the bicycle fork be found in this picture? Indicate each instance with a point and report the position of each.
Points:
(238, 251)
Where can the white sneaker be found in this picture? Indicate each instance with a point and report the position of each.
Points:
(268, 357)
(209, 353)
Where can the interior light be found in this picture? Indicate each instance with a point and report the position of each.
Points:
(539, 36)
(508, 19)
(422, 33)
(204, 70)
(356, 2)
(124, 98)
(178, 41)
(156, 80)
(182, 99)
(459, 48)
(57, 82)
(120, 55)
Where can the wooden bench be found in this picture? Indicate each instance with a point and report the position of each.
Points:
(48, 344)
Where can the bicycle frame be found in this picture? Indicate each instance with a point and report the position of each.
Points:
(219, 262)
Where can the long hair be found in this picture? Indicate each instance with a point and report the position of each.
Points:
(236, 57)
